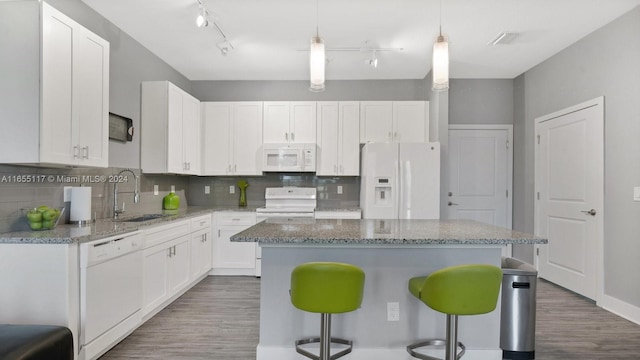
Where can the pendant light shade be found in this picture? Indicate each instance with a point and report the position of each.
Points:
(441, 64)
(316, 64)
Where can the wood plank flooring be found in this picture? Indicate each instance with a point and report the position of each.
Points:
(218, 319)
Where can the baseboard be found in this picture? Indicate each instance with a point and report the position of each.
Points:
(232, 272)
(289, 353)
(621, 308)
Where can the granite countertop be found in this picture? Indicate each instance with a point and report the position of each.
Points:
(384, 232)
(102, 228)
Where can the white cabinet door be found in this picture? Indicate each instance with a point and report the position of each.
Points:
(170, 130)
(217, 139)
(338, 138)
(289, 122)
(397, 121)
(276, 122)
(191, 134)
(174, 135)
(233, 258)
(200, 253)
(57, 143)
(91, 94)
(247, 138)
(410, 121)
(232, 138)
(179, 264)
(376, 118)
(302, 122)
(349, 146)
(155, 277)
(328, 130)
(75, 93)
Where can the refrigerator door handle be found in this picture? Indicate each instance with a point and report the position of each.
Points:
(400, 184)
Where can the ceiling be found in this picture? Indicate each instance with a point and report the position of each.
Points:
(271, 37)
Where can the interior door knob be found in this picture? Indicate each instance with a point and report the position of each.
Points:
(452, 204)
(591, 212)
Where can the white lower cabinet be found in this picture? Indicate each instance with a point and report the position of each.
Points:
(201, 246)
(338, 214)
(233, 258)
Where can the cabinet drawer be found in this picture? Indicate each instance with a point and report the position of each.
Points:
(159, 234)
(236, 218)
(201, 222)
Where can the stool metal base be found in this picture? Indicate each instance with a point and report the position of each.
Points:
(434, 342)
(318, 340)
(325, 341)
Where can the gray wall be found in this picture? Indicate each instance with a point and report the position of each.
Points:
(130, 63)
(481, 101)
(298, 90)
(604, 63)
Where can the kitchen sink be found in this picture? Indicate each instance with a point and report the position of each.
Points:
(144, 217)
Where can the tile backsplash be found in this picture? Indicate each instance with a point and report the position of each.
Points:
(219, 195)
(26, 187)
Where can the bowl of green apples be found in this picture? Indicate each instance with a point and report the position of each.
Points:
(43, 217)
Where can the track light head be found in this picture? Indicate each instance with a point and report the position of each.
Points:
(202, 19)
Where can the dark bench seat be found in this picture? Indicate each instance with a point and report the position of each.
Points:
(35, 342)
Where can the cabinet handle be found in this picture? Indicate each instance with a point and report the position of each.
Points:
(235, 168)
(174, 250)
(169, 252)
(335, 169)
(395, 135)
(218, 232)
(390, 137)
(204, 237)
(286, 136)
(341, 169)
(76, 154)
(85, 152)
(293, 137)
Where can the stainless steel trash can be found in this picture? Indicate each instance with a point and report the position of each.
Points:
(518, 311)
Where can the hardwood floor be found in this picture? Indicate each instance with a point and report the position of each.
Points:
(218, 319)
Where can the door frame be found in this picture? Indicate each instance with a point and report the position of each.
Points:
(509, 129)
(599, 101)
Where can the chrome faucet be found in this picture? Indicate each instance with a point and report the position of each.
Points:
(136, 193)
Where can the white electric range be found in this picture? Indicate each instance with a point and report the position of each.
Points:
(288, 204)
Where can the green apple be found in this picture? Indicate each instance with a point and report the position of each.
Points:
(50, 215)
(47, 224)
(34, 216)
(35, 225)
(42, 208)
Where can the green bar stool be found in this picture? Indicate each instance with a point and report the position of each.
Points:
(456, 290)
(326, 288)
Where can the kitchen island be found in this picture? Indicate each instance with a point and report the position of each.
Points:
(390, 252)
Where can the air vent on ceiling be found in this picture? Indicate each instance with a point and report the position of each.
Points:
(505, 37)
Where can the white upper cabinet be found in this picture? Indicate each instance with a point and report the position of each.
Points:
(289, 122)
(394, 121)
(170, 130)
(338, 138)
(232, 138)
(55, 89)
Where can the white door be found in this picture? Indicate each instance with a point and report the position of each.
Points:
(569, 184)
(480, 175)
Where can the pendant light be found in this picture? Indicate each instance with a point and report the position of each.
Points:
(316, 60)
(440, 60)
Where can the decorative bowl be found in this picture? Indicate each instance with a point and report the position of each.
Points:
(43, 217)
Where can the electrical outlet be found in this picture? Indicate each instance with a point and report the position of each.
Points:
(339, 189)
(173, 188)
(636, 193)
(232, 189)
(156, 190)
(207, 189)
(393, 311)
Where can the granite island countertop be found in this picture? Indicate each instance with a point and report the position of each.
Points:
(384, 232)
(102, 228)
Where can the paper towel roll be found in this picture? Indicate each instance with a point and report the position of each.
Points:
(80, 205)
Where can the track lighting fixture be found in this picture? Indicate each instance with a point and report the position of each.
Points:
(204, 20)
(373, 62)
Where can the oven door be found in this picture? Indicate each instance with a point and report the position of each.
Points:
(282, 159)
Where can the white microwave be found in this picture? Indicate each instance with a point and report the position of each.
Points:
(289, 157)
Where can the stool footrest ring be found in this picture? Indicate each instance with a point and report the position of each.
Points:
(434, 342)
(317, 340)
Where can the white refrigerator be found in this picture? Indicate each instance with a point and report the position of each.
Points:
(400, 181)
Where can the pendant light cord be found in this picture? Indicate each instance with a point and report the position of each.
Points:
(440, 17)
(318, 18)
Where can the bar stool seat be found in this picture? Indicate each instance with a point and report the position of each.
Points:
(326, 288)
(456, 290)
